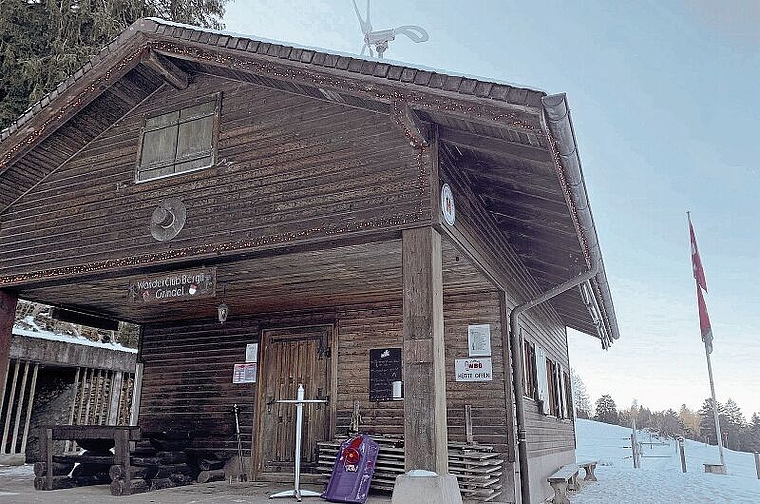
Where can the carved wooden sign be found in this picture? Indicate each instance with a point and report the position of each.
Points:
(174, 286)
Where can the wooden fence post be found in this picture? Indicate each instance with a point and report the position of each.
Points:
(683, 455)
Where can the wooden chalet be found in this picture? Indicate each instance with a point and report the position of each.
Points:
(358, 223)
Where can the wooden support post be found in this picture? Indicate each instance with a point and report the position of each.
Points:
(113, 406)
(757, 464)
(683, 455)
(29, 406)
(468, 424)
(7, 318)
(46, 454)
(19, 408)
(121, 456)
(134, 412)
(425, 436)
(11, 398)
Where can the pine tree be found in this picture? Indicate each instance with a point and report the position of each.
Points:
(606, 411)
(707, 421)
(690, 421)
(581, 400)
(754, 433)
(42, 42)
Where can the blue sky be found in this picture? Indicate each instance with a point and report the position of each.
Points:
(664, 98)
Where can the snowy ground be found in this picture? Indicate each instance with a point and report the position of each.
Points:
(660, 479)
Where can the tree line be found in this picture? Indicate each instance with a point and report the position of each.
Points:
(43, 42)
(738, 433)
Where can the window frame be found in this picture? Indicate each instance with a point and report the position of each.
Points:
(215, 98)
(530, 383)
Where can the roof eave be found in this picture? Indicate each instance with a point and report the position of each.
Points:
(568, 164)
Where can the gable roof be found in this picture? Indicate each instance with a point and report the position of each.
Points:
(515, 144)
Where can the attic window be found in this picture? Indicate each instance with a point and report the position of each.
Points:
(179, 141)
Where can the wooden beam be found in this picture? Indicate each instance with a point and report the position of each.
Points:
(170, 72)
(7, 318)
(405, 118)
(425, 436)
(495, 146)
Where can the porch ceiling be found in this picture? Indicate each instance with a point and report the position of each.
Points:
(350, 274)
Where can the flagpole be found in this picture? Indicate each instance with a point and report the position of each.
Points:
(706, 330)
(718, 432)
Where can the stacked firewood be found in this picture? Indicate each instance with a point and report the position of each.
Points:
(89, 468)
(159, 462)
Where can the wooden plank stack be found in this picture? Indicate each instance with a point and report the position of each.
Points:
(477, 467)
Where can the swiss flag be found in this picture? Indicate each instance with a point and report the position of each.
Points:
(704, 322)
(696, 262)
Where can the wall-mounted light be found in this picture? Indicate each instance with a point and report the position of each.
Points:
(223, 310)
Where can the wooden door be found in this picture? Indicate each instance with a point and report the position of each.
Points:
(291, 357)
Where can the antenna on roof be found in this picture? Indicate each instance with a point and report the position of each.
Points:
(380, 38)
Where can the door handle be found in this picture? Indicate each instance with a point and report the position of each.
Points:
(269, 403)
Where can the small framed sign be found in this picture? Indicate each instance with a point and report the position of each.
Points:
(473, 370)
(245, 373)
(479, 340)
(252, 352)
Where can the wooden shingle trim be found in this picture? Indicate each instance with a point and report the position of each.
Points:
(355, 65)
(318, 59)
(467, 86)
(343, 63)
(204, 38)
(222, 41)
(436, 81)
(483, 89)
(452, 83)
(394, 72)
(196, 36)
(186, 34)
(367, 67)
(331, 60)
(307, 56)
(517, 96)
(407, 74)
(381, 70)
(253, 46)
(499, 92)
(295, 54)
(422, 77)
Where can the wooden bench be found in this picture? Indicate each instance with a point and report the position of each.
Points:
(565, 478)
(589, 466)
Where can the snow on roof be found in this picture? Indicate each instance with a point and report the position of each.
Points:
(65, 338)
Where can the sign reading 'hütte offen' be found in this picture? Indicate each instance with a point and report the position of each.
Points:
(176, 285)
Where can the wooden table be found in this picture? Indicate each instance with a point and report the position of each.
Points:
(121, 436)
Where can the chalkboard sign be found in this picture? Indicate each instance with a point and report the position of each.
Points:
(384, 369)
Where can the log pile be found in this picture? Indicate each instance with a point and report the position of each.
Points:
(477, 467)
(159, 461)
(89, 468)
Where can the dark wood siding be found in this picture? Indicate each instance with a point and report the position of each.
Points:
(187, 380)
(289, 169)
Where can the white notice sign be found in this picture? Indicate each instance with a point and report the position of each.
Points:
(252, 352)
(479, 340)
(478, 369)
